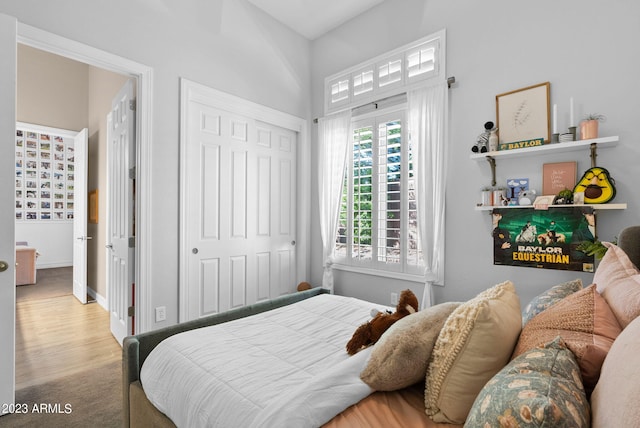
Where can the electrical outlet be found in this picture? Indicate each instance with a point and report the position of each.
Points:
(161, 313)
(394, 299)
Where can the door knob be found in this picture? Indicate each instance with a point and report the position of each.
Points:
(3, 265)
(109, 246)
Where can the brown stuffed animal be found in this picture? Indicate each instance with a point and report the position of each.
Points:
(369, 333)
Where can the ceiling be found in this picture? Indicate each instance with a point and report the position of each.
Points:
(313, 18)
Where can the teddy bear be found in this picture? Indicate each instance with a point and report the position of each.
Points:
(369, 333)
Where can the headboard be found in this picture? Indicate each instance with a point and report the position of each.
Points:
(629, 242)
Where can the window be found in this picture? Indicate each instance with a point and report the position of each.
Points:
(378, 224)
(390, 72)
(387, 75)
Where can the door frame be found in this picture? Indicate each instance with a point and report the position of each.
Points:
(49, 42)
(192, 91)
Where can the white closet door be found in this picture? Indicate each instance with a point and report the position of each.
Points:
(240, 214)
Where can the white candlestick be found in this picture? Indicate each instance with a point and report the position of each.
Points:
(571, 122)
(555, 118)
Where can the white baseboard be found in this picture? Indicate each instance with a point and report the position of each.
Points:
(98, 298)
(53, 265)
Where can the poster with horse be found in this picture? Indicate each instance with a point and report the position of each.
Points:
(546, 239)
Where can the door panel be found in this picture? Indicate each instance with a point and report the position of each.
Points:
(240, 214)
(120, 207)
(80, 216)
(8, 26)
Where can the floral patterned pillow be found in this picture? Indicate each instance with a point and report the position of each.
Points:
(550, 297)
(541, 387)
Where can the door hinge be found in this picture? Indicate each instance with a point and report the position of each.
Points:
(132, 105)
(131, 311)
(132, 173)
(132, 242)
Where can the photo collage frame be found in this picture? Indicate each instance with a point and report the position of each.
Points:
(45, 171)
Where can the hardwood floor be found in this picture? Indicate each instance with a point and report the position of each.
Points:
(59, 336)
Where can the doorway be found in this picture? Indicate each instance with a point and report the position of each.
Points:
(87, 93)
(143, 75)
(54, 44)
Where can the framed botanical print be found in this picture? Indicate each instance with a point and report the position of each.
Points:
(523, 114)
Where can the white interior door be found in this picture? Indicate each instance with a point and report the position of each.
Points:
(121, 161)
(80, 237)
(240, 217)
(7, 211)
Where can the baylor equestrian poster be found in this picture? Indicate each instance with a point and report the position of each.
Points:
(546, 239)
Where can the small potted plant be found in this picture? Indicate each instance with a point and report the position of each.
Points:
(564, 197)
(589, 126)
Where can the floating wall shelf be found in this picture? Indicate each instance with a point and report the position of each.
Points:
(547, 148)
(594, 206)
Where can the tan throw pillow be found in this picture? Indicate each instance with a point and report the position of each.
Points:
(474, 344)
(614, 402)
(586, 324)
(618, 281)
(401, 356)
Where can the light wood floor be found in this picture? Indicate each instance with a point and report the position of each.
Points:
(60, 336)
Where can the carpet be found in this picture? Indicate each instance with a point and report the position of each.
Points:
(88, 399)
(52, 282)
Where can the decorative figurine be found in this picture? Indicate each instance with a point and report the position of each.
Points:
(483, 139)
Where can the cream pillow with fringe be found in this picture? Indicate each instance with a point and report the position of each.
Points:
(474, 344)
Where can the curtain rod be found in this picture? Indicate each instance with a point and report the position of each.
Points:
(450, 81)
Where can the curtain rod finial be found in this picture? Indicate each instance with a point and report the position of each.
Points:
(451, 80)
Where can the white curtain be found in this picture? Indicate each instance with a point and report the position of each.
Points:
(427, 129)
(334, 134)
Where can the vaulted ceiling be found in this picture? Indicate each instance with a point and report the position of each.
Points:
(313, 18)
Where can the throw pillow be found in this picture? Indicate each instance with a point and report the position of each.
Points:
(549, 297)
(473, 345)
(614, 402)
(618, 280)
(401, 356)
(586, 324)
(541, 387)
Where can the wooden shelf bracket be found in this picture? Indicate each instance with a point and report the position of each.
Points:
(492, 163)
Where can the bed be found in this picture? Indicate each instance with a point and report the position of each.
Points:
(292, 370)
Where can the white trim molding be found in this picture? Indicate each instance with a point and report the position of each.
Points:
(68, 48)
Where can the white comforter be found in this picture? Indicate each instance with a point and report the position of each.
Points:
(283, 368)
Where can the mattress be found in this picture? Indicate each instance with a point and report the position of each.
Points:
(285, 367)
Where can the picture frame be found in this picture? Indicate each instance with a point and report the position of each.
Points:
(523, 114)
(93, 206)
(558, 176)
(543, 202)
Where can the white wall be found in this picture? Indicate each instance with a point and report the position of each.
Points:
(52, 91)
(225, 44)
(587, 49)
(53, 240)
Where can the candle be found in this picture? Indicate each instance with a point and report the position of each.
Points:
(555, 118)
(571, 122)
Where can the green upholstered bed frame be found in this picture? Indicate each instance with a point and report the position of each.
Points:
(137, 410)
